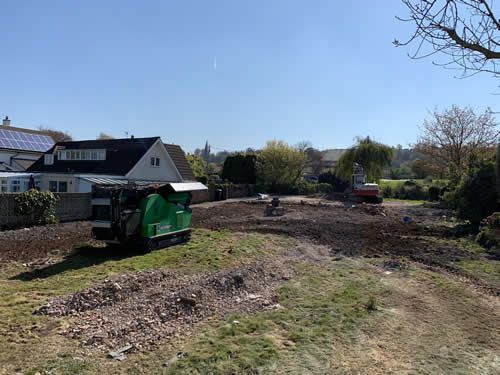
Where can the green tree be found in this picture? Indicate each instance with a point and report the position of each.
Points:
(372, 156)
(475, 196)
(198, 165)
(279, 164)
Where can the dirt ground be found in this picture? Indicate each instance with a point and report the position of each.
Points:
(29, 244)
(354, 230)
(323, 260)
(347, 228)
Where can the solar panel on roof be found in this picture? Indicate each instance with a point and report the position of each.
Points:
(25, 141)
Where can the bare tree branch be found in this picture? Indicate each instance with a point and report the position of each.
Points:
(466, 31)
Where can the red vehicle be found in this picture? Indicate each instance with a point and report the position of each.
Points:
(361, 190)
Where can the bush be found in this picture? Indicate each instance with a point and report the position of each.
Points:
(412, 191)
(325, 188)
(338, 184)
(475, 196)
(306, 188)
(434, 192)
(41, 205)
(395, 173)
(387, 192)
(300, 188)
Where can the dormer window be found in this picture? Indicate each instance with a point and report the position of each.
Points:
(81, 155)
(155, 162)
(48, 159)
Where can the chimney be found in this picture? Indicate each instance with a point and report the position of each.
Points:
(6, 121)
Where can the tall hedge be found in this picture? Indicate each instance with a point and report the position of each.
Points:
(475, 196)
(240, 168)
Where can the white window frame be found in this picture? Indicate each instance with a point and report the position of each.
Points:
(154, 162)
(81, 155)
(4, 186)
(48, 159)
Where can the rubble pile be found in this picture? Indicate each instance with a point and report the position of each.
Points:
(142, 307)
(108, 292)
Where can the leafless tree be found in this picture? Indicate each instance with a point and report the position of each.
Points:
(303, 145)
(314, 160)
(57, 135)
(466, 31)
(104, 136)
(452, 137)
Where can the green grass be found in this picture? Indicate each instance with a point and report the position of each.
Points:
(405, 200)
(23, 335)
(64, 364)
(395, 183)
(320, 307)
(485, 269)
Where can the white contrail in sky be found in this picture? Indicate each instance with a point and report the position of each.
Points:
(215, 63)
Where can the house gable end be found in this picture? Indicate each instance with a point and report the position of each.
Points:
(165, 171)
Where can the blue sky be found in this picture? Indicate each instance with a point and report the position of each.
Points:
(324, 71)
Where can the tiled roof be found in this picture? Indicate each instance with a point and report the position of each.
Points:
(180, 162)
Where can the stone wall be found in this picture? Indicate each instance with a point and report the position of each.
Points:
(69, 207)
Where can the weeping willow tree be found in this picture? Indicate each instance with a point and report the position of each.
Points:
(371, 155)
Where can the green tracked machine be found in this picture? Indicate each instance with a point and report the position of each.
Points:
(148, 216)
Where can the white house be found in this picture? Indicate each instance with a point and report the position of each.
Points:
(20, 148)
(77, 165)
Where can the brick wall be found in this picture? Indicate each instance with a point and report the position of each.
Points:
(69, 207)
